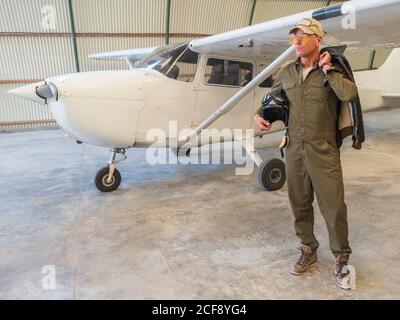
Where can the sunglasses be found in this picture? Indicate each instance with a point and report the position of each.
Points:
(304, 38)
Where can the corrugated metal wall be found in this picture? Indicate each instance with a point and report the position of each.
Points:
(35, 58)
(209, 16)
(36, 37)
(274, 9)
(89, 45)
(21, 113)
(380, 56)
(30, 16)
(122, 16)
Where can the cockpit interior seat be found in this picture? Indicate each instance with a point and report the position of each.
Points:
(232, 77)
(174, 72)
(216, 74)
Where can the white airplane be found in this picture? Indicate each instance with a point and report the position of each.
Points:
(212, 82)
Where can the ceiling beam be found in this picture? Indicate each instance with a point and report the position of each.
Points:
(253, 8)
(167, 20)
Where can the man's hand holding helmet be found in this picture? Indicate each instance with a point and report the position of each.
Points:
(273, 109)
(261, 123)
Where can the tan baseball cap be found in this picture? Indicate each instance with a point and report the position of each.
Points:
(310, 26)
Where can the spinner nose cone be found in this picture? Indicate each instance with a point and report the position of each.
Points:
(28, 92)
(39, 92)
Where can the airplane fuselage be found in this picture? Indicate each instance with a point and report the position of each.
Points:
(119, 108)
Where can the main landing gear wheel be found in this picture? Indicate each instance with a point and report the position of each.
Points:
(108, 178)
(103, 183)
(271, 174)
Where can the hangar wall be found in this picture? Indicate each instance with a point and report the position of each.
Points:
(41, 38)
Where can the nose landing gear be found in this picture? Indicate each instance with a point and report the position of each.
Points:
(108, 178)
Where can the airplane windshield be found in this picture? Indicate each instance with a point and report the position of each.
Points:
(162, 59)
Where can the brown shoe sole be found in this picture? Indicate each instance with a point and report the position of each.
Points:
(301, 273)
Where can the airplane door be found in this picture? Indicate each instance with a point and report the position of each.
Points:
(221, 79)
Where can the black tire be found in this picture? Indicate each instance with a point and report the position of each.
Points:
(271, 174)
(101, 180)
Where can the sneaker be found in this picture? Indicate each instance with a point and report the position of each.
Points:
(343, 278)
(307, 259)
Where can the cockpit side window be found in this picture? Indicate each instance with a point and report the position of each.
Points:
(184, 68)
(228, 72)
(175, 61)
(268, 82)
(164, 61)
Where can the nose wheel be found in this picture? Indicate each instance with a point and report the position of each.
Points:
(108, 178)
(106, 183)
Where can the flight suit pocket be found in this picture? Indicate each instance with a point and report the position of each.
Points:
(289, 87)
(334, 150)
(318, 92)
(335, 163)
(324, 101)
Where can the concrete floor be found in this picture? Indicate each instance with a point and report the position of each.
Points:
(185, 232)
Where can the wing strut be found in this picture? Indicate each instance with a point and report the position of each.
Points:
(232, 102)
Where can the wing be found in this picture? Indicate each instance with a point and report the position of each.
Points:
(131, 56)
(357, 23)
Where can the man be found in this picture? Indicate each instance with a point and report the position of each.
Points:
(313, 88)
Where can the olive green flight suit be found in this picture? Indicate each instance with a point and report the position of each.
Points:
(312, 155)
